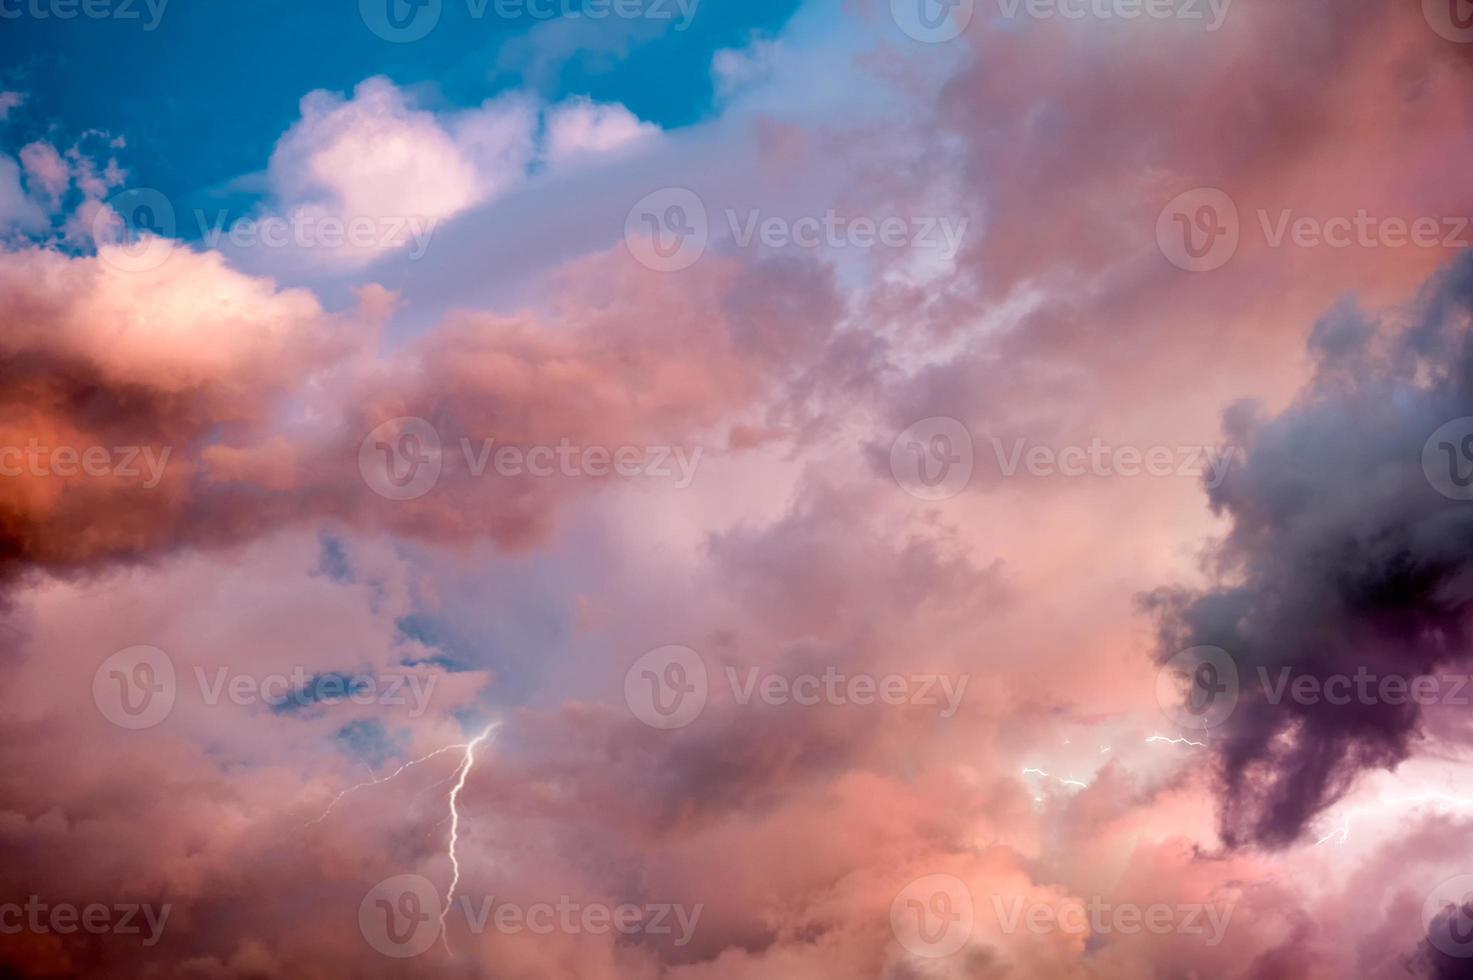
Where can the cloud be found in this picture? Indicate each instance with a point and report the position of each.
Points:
(1343, 556)
(580, 128)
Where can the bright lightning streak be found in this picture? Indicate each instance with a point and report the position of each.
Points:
(462, 773)
(1174, 741)
(381, 779)
(1444, 803)
(1065, 782)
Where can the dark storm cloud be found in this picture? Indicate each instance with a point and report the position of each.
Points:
(1342, 555)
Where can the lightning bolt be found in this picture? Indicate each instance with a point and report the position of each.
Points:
(1445, 803)
(1174, 741)
(1066, 782)
(381, 779)
(461, 774)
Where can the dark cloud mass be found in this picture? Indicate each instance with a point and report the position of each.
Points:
(1342, 555)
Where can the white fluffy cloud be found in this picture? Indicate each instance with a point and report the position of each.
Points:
(378, 155)
(581, 129)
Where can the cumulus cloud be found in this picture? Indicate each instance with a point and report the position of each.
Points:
(580, 128)
(377, 155)
(1343, 557)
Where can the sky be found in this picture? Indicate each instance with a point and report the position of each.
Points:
(702, 490)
